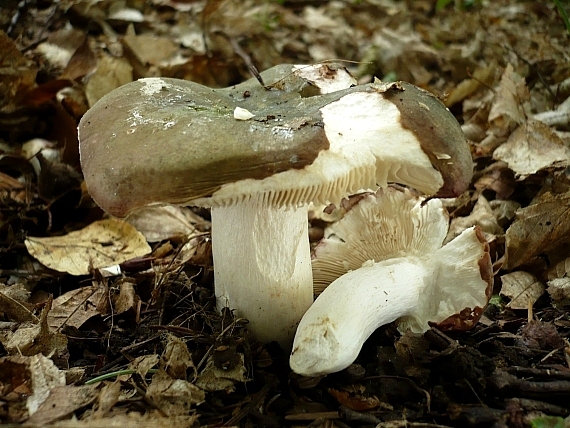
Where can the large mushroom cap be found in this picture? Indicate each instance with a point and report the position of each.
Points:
(161, 141)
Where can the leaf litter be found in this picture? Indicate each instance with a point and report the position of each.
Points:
(130, 306)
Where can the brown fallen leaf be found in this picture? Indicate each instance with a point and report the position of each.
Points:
(101, 244)
(77, 306)
(127, 298)
(176, 397)
(63, 401)
(17, 74)
(213, 378)
(559, 291)
(110, 74)
(131, 420)
(355, 400)
(159, 223)
(507, 109)
(176, 360)
(35, 337)
(531, 148)
(32, 376)
(538, 229)
(522, 288)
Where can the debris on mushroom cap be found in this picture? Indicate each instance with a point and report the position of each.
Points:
(160, 141)
(422, 283)
(325, 78)
(242, 114)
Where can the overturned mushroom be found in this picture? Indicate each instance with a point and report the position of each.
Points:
(169, 141)
(384, 262)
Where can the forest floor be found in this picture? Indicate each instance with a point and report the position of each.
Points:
(140, 343)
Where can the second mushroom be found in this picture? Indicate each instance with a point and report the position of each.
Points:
(384, 261)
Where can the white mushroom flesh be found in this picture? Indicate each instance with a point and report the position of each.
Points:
(262, 266)
(387, 258)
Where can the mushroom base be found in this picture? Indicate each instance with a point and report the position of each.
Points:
(262, 266)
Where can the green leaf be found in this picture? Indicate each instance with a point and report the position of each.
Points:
(547, 422)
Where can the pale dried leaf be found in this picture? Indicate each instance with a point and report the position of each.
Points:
(108, 397)
(531, 148)
(14, 303)
(60, 46)
(144, 363)
(150, 49)
(213, 378)
(131, 420)
(159, 223)
(62, 402)
(110, 74)
(103, 243)
(45, 376)
(559, 291)
(77, 306)
(176, 359)
(174, 396)
(504, 210)
(34, 338)
(481, 76)
(537, 229)
(522, 288)
(482, 215)
(507, 109)
(560, 269)
(127, 298)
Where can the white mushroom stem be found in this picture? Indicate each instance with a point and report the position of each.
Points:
(262, 266)
(413, 289)
(334, 329)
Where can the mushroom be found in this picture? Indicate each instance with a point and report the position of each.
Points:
(385, 261)
(170, 141)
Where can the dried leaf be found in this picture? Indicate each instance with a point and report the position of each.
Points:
(177, 360)
(14, 303)
(45, 376)
(213, 378)
(537, 229)
(144, 363)
(522, 288)
(17, 74)
(355, 400)
(77, 306)
(507, 108)
(175, 397)
(101, 244)
(108, 397)
(158, 223)
(127, 298)
(482, 216)
(532, 147)
(110, 74)
(149, 49)
(481, 75)
(559, 291)
(62, 402)
(34, 338)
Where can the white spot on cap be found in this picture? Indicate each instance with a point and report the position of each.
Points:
(242, 114)
(152, 85)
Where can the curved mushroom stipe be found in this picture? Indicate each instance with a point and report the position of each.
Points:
(423, 284)
(310, 135)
